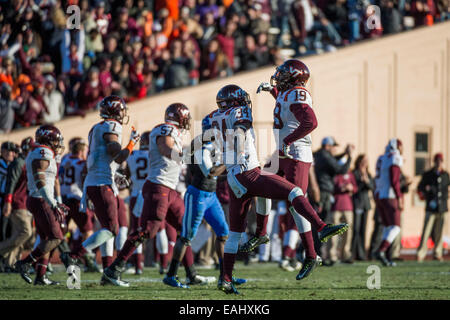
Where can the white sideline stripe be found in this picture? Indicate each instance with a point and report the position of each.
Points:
(153, 280)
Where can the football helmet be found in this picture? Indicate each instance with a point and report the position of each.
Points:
(50, 136)
(179, 115)
(114, 107)
(290, 74)
(232, 96)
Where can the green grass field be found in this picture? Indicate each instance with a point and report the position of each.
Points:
(409, 280)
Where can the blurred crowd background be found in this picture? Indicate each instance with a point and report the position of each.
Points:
(53, 64)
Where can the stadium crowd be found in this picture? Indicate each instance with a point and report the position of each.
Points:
(52, 66)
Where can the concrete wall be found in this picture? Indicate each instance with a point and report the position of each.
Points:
(364, 94)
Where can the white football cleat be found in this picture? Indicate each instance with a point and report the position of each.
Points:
(200, 280)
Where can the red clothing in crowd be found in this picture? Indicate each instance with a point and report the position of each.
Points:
(343, 199)
(227, 45)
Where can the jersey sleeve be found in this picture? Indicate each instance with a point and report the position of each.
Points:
(44, 154)
(112, 127)
(165, 130)
(300, 95)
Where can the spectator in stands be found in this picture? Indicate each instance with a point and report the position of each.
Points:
(90, 92)
(54, 102)
(361, 205)
(226, 41)
(180, 65)
(215, 63)
(433, 188)
(391, 17)
(251, 58)
(423, 12)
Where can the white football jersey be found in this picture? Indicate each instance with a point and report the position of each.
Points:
(41, 153)
(71, 171)
(101, 166)
(138, 165)
(383, 187)
(285, 122)
(232, 118)
(163, 170)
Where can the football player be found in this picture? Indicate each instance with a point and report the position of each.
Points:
(104, 157)
(201, 202)
(246, 180)
(137, 169)
(161, 200)
(48, 213)
(294, 120)
(389, 196)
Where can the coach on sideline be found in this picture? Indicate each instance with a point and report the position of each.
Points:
(433, 188)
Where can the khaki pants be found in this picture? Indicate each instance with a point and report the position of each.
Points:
(434, 227)
(21, 233)
(340, 245)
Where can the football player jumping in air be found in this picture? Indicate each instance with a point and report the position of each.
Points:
(294, 120)
(388, 196)
(104, 157)
(246, 180)
(161, 200)
(48, 213)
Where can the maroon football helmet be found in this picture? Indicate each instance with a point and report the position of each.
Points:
(179, 115)
(232, 96)
(290, 74)
(27, 144)
(50, 136)
(114, 107)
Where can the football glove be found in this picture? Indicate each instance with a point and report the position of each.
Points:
(284, 151)
(61, 211)
(264, 86)
(121, 181)
(135, 136)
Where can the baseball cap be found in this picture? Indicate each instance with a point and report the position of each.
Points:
(329, 141)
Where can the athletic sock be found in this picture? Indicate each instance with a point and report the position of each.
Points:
(261, 224)
(173, 268)
(384, 246)
(41, 267)
(303, 207)
(308, 244)
(34, 256)
(106, 261)
(220, 268)
(228, 265)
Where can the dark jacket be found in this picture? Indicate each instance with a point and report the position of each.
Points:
(436, 196)
(16, 183)
(361, 199)
(327, 167)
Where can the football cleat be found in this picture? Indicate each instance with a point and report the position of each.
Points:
(112, 275)
(308, 266)
(253, 243)
(297, 265)
(91, 264)
(174, 282)
(138, 272)
(238, 281)
(286, 266)
(45, 281)
(381, 256)
(331, 230)
(24, 269)
(200, 280)
(227, 287)
(162, 270)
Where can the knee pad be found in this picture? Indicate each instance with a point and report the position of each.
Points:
(296, 192)
(232, 244)
(302, 224)
(185, 241)
(222, 239)
(107, 248)
(263, 206)
(48, 245)
(162, 242)
(391, 233)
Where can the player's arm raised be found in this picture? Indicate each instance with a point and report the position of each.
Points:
(114, 148)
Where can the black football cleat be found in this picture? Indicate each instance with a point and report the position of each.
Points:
(308, 266)
(24, 269)
(91, 264)
(331, 230)
(253, 243)
(112, 275)
(227, 287)
(381, 256)
(45, 281)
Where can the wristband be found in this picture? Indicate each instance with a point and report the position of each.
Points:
(8, 198)
(130, 146)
